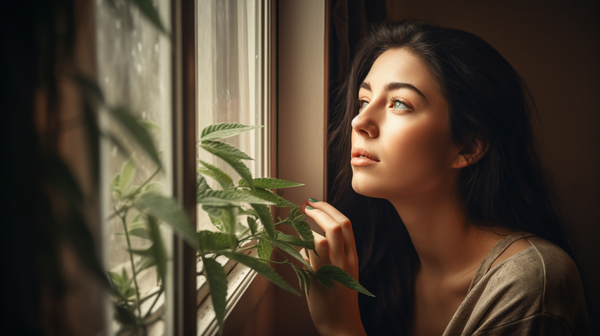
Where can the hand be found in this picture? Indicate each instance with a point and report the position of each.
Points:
(334, 312)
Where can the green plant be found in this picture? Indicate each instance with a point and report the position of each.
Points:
(248, 201)
(239, 211)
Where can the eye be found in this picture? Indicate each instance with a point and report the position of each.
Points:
(399, 105)
(362, 105)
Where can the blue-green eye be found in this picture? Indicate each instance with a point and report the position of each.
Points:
(363, 104)
(398, 105)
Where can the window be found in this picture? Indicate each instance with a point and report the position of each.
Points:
(233, 85)
(234, 80)
(134, 72)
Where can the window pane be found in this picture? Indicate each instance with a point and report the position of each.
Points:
(231, 80)
(134, 65)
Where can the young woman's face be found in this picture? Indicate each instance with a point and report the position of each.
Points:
(401, 143)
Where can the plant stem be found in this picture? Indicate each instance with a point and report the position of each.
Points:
(146, 182)
(276, 262)
(153, 303)
(137, 288)
(116, 213)
(247, 248)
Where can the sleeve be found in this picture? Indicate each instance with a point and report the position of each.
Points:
(538, 324)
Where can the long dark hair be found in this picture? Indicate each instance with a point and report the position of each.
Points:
(488, 103)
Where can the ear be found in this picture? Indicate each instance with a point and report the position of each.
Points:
(470, 153)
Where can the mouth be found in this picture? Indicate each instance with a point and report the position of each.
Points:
(361, 157)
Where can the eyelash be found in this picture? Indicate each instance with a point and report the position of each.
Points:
(392, 102)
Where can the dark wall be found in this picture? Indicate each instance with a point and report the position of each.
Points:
(556, 49)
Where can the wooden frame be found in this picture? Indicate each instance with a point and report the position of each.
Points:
(184, 165)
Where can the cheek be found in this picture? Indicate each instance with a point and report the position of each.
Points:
(415, 157)
(422, 147)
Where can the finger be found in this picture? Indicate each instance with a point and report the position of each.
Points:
(306, 258)
(322, 247)
(333, 232)
(343, 221)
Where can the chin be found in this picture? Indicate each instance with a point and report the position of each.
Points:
(364, 188)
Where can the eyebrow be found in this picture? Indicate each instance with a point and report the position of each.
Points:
(391, 86)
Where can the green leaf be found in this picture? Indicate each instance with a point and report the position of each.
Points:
(139, 232)
(150, 13)
(143, 252)
(289, 250)
(144, 263)
(158, 249)
(230, 197)
(262, 269)
(252, 224)
(170, 212)
(228, 215)
(149, 126)
(248, 212)
(201, 186)
(217, 281)
(114, 184)
(296, 215)
(303, 279)
(271, 197)
(124, 275)
(214, 241)
(305, 233)
(337, 274)
(271, 183)
(137, 131)
(224, 150)
(127, 172)
(215, 221)
(292, 240)
(217, 174)
(323, 280)
(224, 130)
(230, 157)
(154, 187)
(264, 249)
(264, 214)
(129, 292)
(116, 278)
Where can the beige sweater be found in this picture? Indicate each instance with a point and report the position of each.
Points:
(538, 291)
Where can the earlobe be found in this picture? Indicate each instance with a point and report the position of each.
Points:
(470, 154)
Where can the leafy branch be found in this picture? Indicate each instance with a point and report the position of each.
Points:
(250, 200)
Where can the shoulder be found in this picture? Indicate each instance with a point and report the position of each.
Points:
(541, 280)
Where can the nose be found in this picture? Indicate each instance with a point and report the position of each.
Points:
(364, 124)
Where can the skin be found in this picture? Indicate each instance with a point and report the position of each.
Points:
(405, 128)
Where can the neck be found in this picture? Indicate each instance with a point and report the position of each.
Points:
(447, 244)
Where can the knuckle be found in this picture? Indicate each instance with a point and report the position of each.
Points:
(322, 243)
(336, 230)
(346, 223)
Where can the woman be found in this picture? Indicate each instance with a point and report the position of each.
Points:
(457, 230)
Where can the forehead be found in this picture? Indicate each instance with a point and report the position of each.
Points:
(401, 65)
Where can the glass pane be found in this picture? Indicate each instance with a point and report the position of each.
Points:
(134, 72)
(231, 80)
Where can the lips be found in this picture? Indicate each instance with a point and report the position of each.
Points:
(361, 157)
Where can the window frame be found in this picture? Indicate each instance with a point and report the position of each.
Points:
(246, 287)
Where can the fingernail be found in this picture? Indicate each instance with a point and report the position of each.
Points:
(308, 207)
(313, 200)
